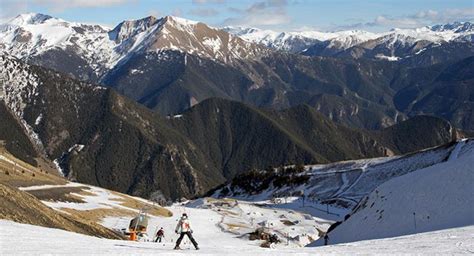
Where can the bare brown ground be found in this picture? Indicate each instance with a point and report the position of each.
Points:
(22, 174)
(19, 206)
(130, 202)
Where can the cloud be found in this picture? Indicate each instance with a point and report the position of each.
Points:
(177, 12)
(11, 8)
(61, 5)
(154, 13)
(262, 13)
(208, 1)
(203, 12)
(422, 18)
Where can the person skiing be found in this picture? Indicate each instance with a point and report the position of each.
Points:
(326, 239)
(159, 235)
(184, 228)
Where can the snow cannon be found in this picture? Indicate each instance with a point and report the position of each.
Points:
(138, 226)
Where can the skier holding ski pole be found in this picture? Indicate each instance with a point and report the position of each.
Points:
(159, 235)
(184, 228)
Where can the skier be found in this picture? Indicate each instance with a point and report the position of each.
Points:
(159, 235)
(326, 239)
(184, 228)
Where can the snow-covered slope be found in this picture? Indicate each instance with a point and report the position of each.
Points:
(218, 220)
(342, 184)
(433, 198)
(299, 41)
(30, 240)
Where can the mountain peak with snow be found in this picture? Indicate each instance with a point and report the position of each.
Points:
(456, 27)
(33, 34)
(29, 18)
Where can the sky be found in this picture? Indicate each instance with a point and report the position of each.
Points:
(279, 15)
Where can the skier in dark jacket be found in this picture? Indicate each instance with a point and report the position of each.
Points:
(159, 235)
(326, 239)
(184, 228)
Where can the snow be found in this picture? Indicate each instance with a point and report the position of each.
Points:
(38, 187)
(96, 198)
(433, 198)
(345, 183)
(19, 87)
(136, 71)
(455, 153)
(38, 119)
(213, 43)
(389, 58)
(58, 167)
(33, 34)
(100, 198)
(182, 21)
(430, 187)
(346, 39)
(23, 239)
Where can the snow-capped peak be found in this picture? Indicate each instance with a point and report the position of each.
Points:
(180, 21)
(130, 28)
(456, 27)
(297, 41)
(29, 18)
(34, 34)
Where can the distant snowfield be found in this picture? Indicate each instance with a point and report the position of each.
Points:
(22, 239)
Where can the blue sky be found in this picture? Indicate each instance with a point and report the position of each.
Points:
(371, 15)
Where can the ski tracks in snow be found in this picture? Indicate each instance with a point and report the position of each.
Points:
(345, 187)
(455, 152)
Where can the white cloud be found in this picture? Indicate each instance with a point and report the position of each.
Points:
(61, 5)
(176, 12)
(154, 13)
(203, 12)
(422, 18)
(208, 1)
(403, 22)
(11, 8)
(262, 13)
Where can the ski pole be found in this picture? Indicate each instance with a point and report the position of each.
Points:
(414, 219)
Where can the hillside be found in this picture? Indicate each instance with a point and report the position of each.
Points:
(24, 208)
(432, 198)
(223, 224)
(33, 196)
(341, 185)
(98, 137)
(14, 138)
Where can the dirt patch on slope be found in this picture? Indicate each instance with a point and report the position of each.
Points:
(17, 173)
(97, 215)
(131, 202)
(22, 207)
(61, 194)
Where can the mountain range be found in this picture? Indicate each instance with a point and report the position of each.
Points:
(394, 45)
(99, 137)
(169, 64)
(177, 107)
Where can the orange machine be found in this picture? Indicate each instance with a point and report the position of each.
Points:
(138, 225)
